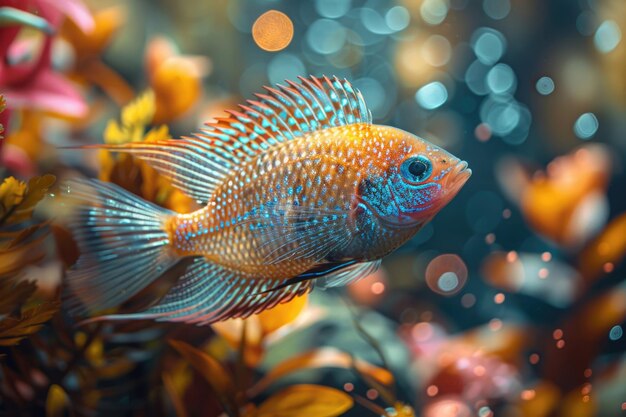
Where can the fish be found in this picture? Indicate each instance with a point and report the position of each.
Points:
(298, 189)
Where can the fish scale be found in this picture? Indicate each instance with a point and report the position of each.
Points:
(311, 172)
(298, 189)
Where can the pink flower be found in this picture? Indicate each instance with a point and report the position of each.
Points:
(34, 84)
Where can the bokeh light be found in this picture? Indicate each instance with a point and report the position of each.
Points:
(586, 126)
(446, 274)
(397, 18)
(285, 66)
(501, 79)
(432, 95)
(616, 333)
(434, 12)
(326, 36)
(489, 45)
(332, 9)
(272, 31)
(608, 36)
(545, 86)
(436, 50)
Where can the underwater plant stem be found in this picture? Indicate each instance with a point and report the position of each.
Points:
(80, 353)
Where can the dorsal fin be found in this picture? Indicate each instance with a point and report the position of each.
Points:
(197, 165)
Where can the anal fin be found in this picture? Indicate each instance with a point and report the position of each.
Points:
(208, 293)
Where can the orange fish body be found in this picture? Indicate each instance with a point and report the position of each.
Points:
(298, 189)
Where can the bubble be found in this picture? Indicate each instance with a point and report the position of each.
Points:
(397, 18)
(437, 50)
(616, 333)
(488, 44)
(476, 76)
(607, 37)
(446, 274)
(283, 67)
(545, 86)
(434, 12)
(332, 9)
(326, 36)
(586, 126)
(501, 79)
(432, 95)
(272, 31)
(497, 9)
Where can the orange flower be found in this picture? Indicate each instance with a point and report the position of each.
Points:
(566, 202)
(175, 79)
(89, 47)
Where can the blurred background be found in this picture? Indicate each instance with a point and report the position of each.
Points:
(512, 302)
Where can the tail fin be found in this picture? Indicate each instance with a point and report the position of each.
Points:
(123, 245)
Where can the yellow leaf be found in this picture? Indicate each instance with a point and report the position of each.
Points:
(37, 189)
(306, 400)
(213, 372)
(136, 116)
(282, 314)
(318, 358)
(114, 133)
(157, 133)
(12, 193)
(140, 111)
(57, 402)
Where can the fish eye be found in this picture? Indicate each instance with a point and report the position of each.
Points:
(416, 169)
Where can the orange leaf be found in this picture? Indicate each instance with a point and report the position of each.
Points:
(12, 329)
(276, 317)
(306, 400)
(608, 248)
(175, 396)
(214, 373)
(324, 357)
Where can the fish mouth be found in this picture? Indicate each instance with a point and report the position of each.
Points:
(459, 176)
